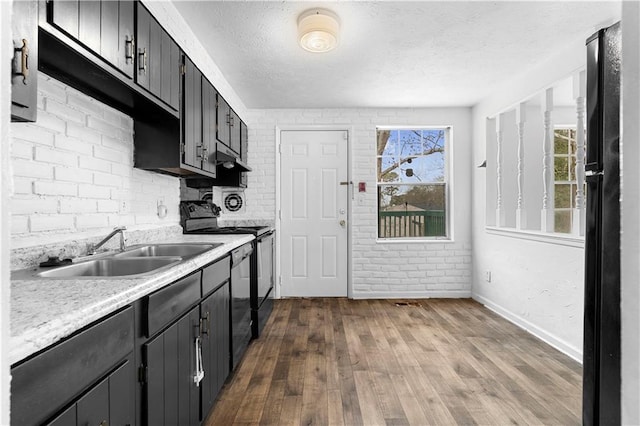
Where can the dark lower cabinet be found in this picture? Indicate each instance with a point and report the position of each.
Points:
(216, 349)
(74, 372)
(110, 402)
(162, 361)
(24, 65)
(171, 396)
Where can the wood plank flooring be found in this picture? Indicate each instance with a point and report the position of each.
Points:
(372, 362)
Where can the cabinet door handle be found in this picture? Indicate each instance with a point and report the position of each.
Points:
(231, 123)
(130, 47)
(24, 60)
(199, 374)
(104, 423)
(200, 150)
(142, 59)
(228, 118)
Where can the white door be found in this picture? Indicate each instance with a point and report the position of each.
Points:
(313, 203)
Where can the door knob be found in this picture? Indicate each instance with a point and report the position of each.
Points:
(343, 223)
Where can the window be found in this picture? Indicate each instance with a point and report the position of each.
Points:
(565, 182)
(412, 183)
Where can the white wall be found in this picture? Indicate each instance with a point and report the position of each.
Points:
(428, 269)
(536, 284)
(6, 53)
(73, 174)
(630, 261)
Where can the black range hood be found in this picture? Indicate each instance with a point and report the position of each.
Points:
(228, 159)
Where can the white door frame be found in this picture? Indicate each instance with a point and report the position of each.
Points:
(350, 196)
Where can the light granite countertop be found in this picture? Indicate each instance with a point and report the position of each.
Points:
(45, 310)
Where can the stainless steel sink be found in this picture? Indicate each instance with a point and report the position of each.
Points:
(183, 250)
(112, 267)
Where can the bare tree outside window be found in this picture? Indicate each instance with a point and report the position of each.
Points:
(412, 187)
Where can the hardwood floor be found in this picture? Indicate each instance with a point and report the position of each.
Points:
(372, 362)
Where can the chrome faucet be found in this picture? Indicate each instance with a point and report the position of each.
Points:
(92, 248)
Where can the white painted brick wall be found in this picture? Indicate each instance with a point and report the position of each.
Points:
(73, 174)
(380, 269)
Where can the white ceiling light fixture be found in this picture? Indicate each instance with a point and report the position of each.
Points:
(318, 30)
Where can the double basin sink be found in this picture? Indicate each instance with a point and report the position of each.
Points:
(140, 260)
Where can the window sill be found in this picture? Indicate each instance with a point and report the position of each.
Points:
(543, 237)
(414, 241)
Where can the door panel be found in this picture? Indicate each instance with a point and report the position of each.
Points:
(109, 31)
(64, 15)
(209, 126)
(192, 114)
(93, 408)
(125, 32)
(155, 58)
(142, 46)
(89, 24)
(314, 207)
(121, 395)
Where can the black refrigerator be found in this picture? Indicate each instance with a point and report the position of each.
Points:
(601, 355)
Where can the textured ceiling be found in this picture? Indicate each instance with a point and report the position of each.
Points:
(391, 54)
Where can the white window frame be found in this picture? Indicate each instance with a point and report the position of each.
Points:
(569, 155)
(447, 182)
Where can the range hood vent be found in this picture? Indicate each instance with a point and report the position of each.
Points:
(229, 160)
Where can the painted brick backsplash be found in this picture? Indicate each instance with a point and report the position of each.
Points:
(73, 174)
(380, 269)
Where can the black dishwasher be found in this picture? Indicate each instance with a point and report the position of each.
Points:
(240, 301)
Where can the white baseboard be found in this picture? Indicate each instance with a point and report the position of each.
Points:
(413, 295)
(541, 334)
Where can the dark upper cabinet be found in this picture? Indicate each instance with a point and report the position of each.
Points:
(223, 120)
(198, 121)
(157, 59)
(233, 177)
(234, 132)
(24, 66)
(105, 27)
(192, 115)
(209, 97)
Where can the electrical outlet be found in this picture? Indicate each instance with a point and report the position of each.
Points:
(487, 276)
(124, 206)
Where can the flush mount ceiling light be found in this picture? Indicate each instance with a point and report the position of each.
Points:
(318, 30)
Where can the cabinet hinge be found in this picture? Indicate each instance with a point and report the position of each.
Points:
(183, 69)
(142, 374)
